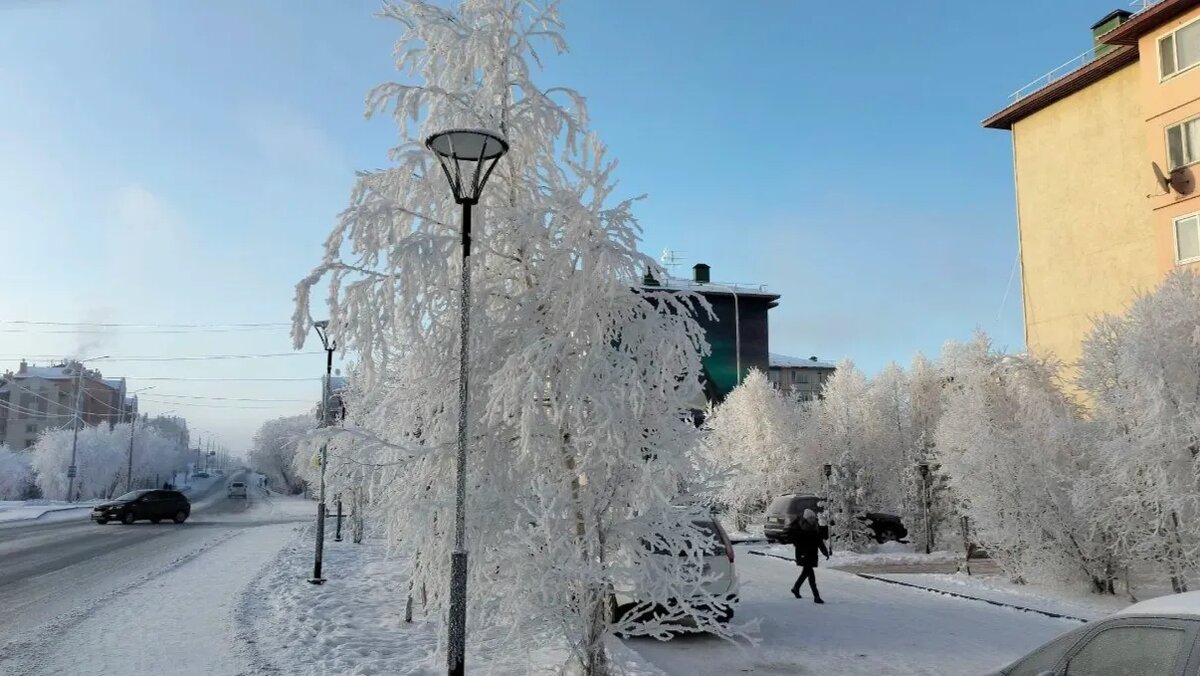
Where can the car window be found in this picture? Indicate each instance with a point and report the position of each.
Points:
(800, 504)
(1043, 659)
(1128, 651)
(779, 505)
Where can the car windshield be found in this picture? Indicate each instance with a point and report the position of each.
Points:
(132, 495)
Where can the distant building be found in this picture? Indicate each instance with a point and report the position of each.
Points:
(37, 398)
(336, 405)
(744, 330)
(800, 378)
(170, 427)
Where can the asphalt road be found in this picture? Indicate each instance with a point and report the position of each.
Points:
(49, 571)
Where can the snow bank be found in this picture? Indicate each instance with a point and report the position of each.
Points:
(354, 623)
(1074, 603)
(25, 510)
(886, 554)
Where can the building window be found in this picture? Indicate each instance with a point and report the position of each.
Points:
(1180, 50)
(1183, 143)
(773, 376)
(801, 376)
(1187, 239)
(31, 429)
(30, 442)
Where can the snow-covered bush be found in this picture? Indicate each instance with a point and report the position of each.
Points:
(752, 437)
(102, 459)
(273, 451)
(578, 429)
(1142, 374)
(16, 474)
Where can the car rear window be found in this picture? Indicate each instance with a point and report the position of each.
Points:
(237, 484)
(794, 504)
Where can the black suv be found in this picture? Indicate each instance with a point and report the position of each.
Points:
(154, 505)
(783, 515)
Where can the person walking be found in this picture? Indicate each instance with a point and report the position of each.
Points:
(806, 537)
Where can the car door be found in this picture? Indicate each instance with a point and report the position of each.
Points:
(156, 504)
(1133, 646)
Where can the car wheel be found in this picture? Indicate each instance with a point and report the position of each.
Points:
(101, 521)
(180, 516)
(127, 518)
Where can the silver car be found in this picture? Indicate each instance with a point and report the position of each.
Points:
(1152, 638)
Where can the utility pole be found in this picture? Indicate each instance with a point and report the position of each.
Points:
(129, 468)
(72, 469)
(322, 329)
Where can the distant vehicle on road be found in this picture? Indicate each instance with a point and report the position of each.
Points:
(237, 489)
(784, 514)
(1151, 638)
(886, 527)
(201, 474)
(152, 504)
(219, 472)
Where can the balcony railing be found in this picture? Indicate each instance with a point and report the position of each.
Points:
(1074, 64)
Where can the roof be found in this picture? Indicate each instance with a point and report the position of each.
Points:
(786, 362)
(715, 288)
(45, 372)
(115, 383)
(1147, 20)
(1063, 87)
(1187, 603)
(1110, 16)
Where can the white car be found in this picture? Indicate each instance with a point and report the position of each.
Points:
(1152, 638)
(237, 489)
(718, 563)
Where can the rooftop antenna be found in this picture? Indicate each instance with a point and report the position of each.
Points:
(670, 260)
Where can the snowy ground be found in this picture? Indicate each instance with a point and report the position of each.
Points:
(354, 624)
(81, 598)
(865, 627)
(25, 510)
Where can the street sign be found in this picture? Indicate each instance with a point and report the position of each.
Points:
(71, 472)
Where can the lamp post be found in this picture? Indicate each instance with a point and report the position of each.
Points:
(322, 329)
(923, 468)
(467, 157)
(828, 495)
(72, 469)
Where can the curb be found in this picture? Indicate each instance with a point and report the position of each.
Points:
(865, 576)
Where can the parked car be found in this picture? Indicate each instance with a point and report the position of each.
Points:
(201, 474)
(152, 504)
(237, 489)
(784, 513)
(886, 527)
(717, 561)
(1151, 638)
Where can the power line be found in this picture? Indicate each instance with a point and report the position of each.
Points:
(188, 396)
(198, 357)
(217, 380)
(227, 406)
(144, 324)
(243, 329)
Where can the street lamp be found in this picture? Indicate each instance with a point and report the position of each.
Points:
(467, 157)
(322, 329)
(828, 499)
(72, 469)
(923, 468)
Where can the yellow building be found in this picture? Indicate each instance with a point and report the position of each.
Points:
(1105, 152)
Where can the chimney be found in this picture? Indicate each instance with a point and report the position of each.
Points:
(24, 367)
(813, 358)
(649, 280)
(1110, 21)
(700, 273)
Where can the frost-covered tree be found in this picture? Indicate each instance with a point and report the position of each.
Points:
(16, 474)
(1142, 374)
(102, 459)
(273, 451)
(580, 378)
(848, 420)
(1013, 446)
(752, 438)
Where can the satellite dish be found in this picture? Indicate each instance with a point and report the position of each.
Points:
(1164, 181)
(1181, 181)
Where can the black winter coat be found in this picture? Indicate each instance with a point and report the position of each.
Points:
(807, 540)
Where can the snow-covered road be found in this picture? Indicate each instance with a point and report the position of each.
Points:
(80, 598)
(865, 627)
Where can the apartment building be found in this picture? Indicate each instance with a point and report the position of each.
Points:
(800, 378)
(36, 398)
(1105, 153)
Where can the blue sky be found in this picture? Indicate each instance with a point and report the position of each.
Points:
(166, 162)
